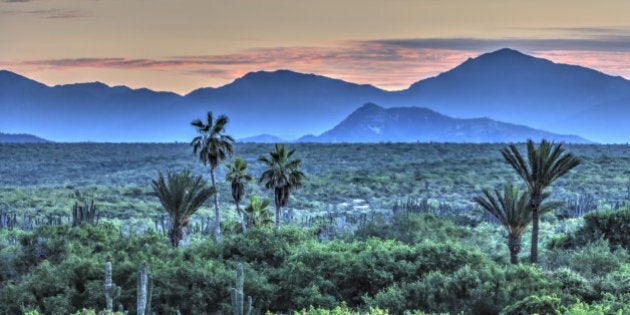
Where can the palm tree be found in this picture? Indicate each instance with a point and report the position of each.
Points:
(258, 215)
(513, 212)
(237, 175)
(544, 165)
(213, 146)
(181, 196)
(282, 175)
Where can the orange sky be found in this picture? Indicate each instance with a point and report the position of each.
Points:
(183, 45)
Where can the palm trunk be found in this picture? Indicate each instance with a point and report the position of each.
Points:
(217, 216)
(514, 244)
(278, 217)
(534, 251)
(241, 218)
(535, 204)
(175, 234)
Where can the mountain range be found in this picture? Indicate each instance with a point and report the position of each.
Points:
(503, 85)
(372, 123)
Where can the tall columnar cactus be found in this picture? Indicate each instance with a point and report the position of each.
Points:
(86, 213)
(237, 294)
(109, 286)
(149, 294)
(142, 290)
(249, 306)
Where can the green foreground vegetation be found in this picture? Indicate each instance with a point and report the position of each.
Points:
(378, 228)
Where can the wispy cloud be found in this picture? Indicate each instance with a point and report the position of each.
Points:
(579, 32)
(601, 43)
(50, 13)
(116, 63)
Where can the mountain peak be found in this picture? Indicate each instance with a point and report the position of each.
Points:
(369, 106)
(6, 75)
(281, 74)
(286, 78)
(90, 85)
(372, 123)
(499, 58)
(506, 52)
(12, 81)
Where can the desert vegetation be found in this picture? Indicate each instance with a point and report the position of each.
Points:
(375, 228)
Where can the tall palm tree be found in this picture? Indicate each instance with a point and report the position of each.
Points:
(513, 212)
(282, 175)
(258, 215)
(181, 196)
(213, 146)
(544, 165)
(237, 175)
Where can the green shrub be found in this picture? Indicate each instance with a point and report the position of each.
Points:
(291, 270)
(413, 228)
(611, 226)
(573, 285)
(597, 259)
(534, 304)
(582, 308)
(343, 309)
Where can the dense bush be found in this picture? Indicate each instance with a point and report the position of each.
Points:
(534, 304)
(413, 228)
(609, 225)
(61, 270)
(436, 269)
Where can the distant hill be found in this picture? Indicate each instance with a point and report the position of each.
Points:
(372, 123)
(264, 138)
(504, 85)
(20, 138)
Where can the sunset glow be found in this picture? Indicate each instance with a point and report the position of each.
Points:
(163, 45)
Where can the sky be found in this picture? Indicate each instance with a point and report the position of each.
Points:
(180, 46)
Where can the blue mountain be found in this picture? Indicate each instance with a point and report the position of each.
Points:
(510, 86)
(263, 138)
(20, 138)
(90, 111)
(372, 123)
(289, 104)
(504, 85)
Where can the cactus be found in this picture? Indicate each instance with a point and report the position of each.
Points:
(237, 294)
(112, 291)
(84, 214)
(249, 305)
(149, 294)
(142, 290)
(109, 287)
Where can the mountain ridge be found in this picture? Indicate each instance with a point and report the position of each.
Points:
(373, 123)
(504, 85)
